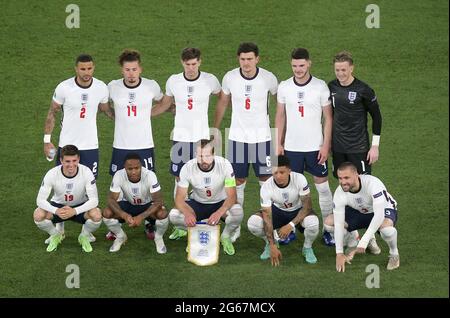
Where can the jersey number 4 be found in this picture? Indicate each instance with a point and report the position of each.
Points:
(301, 110)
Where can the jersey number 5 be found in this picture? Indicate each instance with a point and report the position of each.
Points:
(190, 103)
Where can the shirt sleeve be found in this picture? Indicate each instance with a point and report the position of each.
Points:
(154, 184)
(44, 192)
(303, 186)
(325, 95)
(371, 103)
(281, 98)
(116, 184)
(339, 221)
(214, 84)
(265, 195)
(184, 179)
(105, 94)
(157, 93)
(273, 84)
(168, 87)
(91, 192)
(59, 95)
(230, 180)
(225, 85)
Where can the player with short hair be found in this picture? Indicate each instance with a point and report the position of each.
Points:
(303, 101)
(74, 198)
(190, 91)
(132, 97)
(78, 98)
(142, 200)
(213, 195)
(249, 140)
(362, 202)
(285, 206)
(352, 99)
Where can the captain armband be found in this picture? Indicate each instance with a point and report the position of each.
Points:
(230, 182)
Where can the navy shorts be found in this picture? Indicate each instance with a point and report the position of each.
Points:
(134, 210)
(357, 220)
(242, 154)
(180, 153)
(358, 159)
(204, 210)
(301, 161)
(79, 218)
(118, 158)
(281, 218)
(89, 158)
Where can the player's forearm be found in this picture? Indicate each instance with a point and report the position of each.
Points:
(280, 120)
(374, 225)
(49, 122)
(305, 210)
(109, 112)
(152, 209)
(327, 129)
(339, 227)
(41, 200)
(374, 111)
(220, 110)
(115, 207)
(91, 203)
(268, 225)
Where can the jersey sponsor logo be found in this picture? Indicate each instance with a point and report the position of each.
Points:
(379, 194)
(155, 185)
(207, 180)
(351, 97)
(84, 98)
(69, 186)
(204, 237)
(93, 181)
(132, 96)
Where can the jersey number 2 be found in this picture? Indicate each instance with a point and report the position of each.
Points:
(83, 112)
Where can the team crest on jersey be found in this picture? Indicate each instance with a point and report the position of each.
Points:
(84, 98)
(207, 180)
(248, 90)
(131, 96)
(300, 95)
(351, 97)
(204, 237)
(285, 196)
(69, 186)
(135, 191)
(359, 200)
(190, 90)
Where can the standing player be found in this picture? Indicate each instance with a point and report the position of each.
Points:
(142, 200)
(132, 97)
(213, 194)
(74, 198)
(248, 88)
(362, 202)
(302, 99)
(190, 92)
(286, 205)
(78, 98)
(352, 100)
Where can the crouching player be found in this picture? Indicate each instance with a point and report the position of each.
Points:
(362, 202)
(213, 194)
(74, 198)
(286, 205)
(142, 199)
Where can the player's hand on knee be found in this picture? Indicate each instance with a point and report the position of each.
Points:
(214, 218)
(190, 219)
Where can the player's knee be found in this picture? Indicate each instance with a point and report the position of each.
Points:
(107, 213)
(95, 215)
(240, 181)
(388, 232)
(237, 212)
(311, 222)
(329, 221)
(162, 213)
(255, 224)
(176, 217)
(39, 215)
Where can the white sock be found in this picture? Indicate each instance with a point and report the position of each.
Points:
(114, 226)
(161, 227)
(233, 220)
(177, 219)
(240, 193)
(311, 225)
(325, 199)
(350, 238)
(47, 226)
(175, 188)
(389, 235)
(255, 225)
(328, 228)
(90, 226)
(60, 227)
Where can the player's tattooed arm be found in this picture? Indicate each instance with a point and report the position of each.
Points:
(50, 120)
(268, 225)
(114, 205)
(305, 210)
(107, 109)
(157, 204)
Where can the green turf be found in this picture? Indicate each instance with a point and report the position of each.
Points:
(405, 61)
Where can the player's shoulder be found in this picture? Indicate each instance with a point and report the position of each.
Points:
(176, 77)
(208, 76)
(53, 172)
(98, 83)
(266, 73)
(333, 83)
(286, 83)
(148, 173)
(148, 82)
(85, 171)
(370, 180)
(67, 83)
(318, 81)
(233, 73)
(339, 193)
(221, 161)
(298, 178)
(116, 83)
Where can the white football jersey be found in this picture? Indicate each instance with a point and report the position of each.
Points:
(208, 187)
(79, 112)
(138, 193)
(70, 191)
(303, 107)
(371, 189)
(250, 104)
(192, 101)
(132, 108)
(286, 198)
